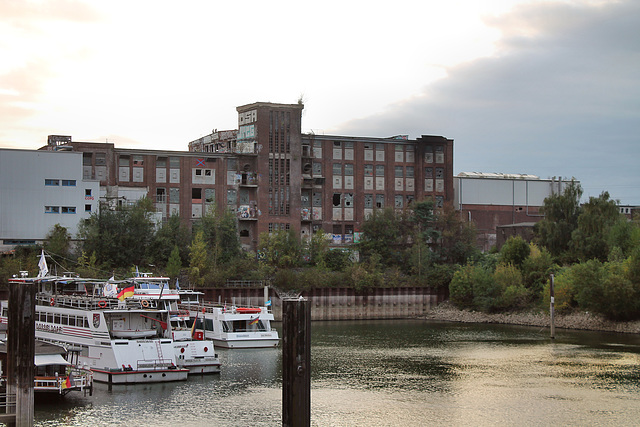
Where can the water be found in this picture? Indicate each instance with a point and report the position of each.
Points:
(395, 373)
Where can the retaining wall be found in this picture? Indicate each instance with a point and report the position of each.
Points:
(342, 303)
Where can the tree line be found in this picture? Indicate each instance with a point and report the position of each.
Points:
(593, 251)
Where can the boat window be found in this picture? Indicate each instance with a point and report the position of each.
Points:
(50, 317)
(209, 324)
(56, 318)
(72, 320)
(65, 319)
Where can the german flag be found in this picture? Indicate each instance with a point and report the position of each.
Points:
(126, 293)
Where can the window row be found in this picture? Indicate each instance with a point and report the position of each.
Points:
(64, 209)
(62, 319)
(56, 182)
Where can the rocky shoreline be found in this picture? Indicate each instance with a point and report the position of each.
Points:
(585, 321)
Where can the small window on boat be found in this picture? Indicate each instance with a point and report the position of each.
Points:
(72, 320)
(56, 318)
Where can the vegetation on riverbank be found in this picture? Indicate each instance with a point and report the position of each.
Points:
(593, 251)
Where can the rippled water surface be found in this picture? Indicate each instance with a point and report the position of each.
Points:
(395, 373)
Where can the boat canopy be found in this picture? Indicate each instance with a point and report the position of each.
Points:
(49, 359)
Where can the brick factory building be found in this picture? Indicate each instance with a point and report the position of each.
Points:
(273, 176)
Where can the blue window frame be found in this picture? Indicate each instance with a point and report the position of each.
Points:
(68, 209)
(68, 182)
(52, 182)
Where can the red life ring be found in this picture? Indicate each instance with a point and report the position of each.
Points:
(102, 304)
(52, 302)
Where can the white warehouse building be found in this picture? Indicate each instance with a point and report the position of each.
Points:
(39, 189)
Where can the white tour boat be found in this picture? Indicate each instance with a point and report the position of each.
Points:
(113, 338)
(230, 326)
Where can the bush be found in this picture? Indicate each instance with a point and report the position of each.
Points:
(563, 291)
(470, 287)
(536, 269)
(514, 251)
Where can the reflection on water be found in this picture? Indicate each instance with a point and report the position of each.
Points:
(392, 373)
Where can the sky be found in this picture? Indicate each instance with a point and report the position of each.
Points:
(549, 88)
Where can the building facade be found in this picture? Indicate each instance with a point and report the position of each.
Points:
(273, 176)
(39, 189)
(493, 200)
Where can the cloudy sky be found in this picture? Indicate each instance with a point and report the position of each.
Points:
(550, 88)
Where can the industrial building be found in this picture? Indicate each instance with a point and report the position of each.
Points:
(272, 175)
(503, 205)
(39, 189)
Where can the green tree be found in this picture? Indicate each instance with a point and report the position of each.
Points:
(198, 259)
(281, 248)
(457, 241)
(514, 251)
(536, 269)
(625, 235)
(561, 212)
(174, 264)
(172, 233)
(318, 248)
(597, 217)
(387, 233)
(57, 244)
(118, 237)
(466, 282)
(220, 232)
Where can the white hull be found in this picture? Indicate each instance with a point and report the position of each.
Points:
(135, 377)
(245, 342)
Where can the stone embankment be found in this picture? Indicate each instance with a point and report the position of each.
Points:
(586, 321)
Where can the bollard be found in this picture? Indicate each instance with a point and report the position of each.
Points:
(296, 362)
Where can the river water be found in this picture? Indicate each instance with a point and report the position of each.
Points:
(395, 373)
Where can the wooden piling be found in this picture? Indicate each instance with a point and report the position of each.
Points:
(21, 349)
(296, 362)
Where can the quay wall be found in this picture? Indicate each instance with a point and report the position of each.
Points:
(342, 303)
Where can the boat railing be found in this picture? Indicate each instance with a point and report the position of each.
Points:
(209, 307)
(7, 403)
(93, 303)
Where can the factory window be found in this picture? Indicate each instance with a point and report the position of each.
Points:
(52, 182)
(124, 161)
(439, 173)
(337, 168)
(174, 195)
(101, 159)
(174, 162)
(380, 201)
(368, 170)
(161, 162)
(368, 201)
(68, 182)
(209, 195)
(428, 172)
(348, 169)
(51, 209)
(337, 200)
(379, 170)
(399, 171)
(409, 172)
(86, 159)
(398, 200)
(138, 160)
(68, 209)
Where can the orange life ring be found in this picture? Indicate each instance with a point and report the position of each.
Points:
(144, 303)
(52, 301)
(102, 304)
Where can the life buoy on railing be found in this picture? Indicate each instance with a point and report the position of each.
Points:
(52, 302)
(102, 304)
(144, 303)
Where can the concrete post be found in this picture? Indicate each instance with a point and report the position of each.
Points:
(296, 362)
